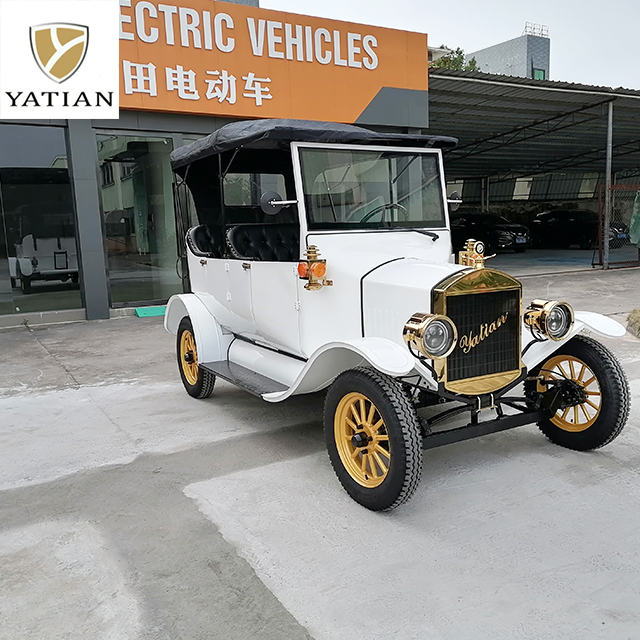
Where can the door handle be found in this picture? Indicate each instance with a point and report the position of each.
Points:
(246, 266)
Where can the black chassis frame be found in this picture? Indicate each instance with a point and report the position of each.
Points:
(529, 411)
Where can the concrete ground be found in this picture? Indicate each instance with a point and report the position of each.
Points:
(543, 261)
(130, 511)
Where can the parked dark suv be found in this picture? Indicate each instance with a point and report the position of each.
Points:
(495, 231)
(567, 227)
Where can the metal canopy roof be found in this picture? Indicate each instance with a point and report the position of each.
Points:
(511, 127)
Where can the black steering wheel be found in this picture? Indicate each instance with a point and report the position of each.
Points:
(382, 208)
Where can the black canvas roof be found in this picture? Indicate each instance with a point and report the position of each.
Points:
(278, 134)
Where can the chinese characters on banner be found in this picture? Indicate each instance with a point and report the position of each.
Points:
(220, 86)
(205, 57)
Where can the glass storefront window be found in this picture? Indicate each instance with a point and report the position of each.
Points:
(38, 254)
(136, 191)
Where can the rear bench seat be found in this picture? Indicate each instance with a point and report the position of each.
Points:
(267, 242)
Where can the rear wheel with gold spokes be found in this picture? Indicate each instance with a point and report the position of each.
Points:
(373, 438)
(600, 390)
(198, 382)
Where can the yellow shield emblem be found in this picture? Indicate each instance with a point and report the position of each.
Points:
(59, 49)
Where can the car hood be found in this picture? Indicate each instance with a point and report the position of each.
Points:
(393, 292)
(619, 226)
(513, 227)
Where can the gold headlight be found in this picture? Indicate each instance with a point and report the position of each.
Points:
(549, 319)
(434, 336)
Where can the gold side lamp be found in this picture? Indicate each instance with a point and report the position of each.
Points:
(433, 335)
(549, 319)
(314, 270)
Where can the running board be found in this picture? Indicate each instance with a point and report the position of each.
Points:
(250, 381)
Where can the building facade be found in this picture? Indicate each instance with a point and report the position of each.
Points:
(89, 219)
(526, 56)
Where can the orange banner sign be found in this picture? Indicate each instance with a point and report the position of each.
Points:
(223, 59)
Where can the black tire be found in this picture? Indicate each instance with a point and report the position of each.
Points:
(25, 284)
(14, 283)
(198, 385)
(400, 426)
(74, 278)
(614, 402)
(587, 243)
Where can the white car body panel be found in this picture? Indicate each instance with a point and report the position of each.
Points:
(333, 358)
(276, 307)
(350, 257)
(267, 301)
(214, 345)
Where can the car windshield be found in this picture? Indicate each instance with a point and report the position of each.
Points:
(358, 188)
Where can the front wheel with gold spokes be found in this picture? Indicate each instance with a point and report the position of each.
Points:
(600, 407)
(373, 438)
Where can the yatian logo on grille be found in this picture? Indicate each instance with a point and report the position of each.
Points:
(469, 341)
(59, 48)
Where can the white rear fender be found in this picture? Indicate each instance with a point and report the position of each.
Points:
(211, 343)
(333, 358)
(602, 325)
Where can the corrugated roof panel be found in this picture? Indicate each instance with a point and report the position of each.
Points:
(476, 107)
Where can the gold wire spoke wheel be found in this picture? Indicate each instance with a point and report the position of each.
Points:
(362, 440)
(189, 357)
(582, 416)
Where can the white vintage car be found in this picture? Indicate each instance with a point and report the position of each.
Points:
(44, 244)
(323, 261)
(43, 259)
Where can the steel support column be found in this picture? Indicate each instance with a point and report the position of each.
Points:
(607, 189)
(83, 167)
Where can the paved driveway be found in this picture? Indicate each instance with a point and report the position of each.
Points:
(130, 511)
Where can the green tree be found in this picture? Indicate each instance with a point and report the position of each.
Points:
(455, 61)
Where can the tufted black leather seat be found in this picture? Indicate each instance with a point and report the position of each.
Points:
(203, 243)
(268, 242)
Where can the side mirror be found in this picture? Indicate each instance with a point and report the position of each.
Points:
(454, 201)
(271, 203)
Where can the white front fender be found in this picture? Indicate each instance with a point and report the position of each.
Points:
(602, 325)
(333, 358)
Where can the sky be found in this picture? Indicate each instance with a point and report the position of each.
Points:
(592, 41)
